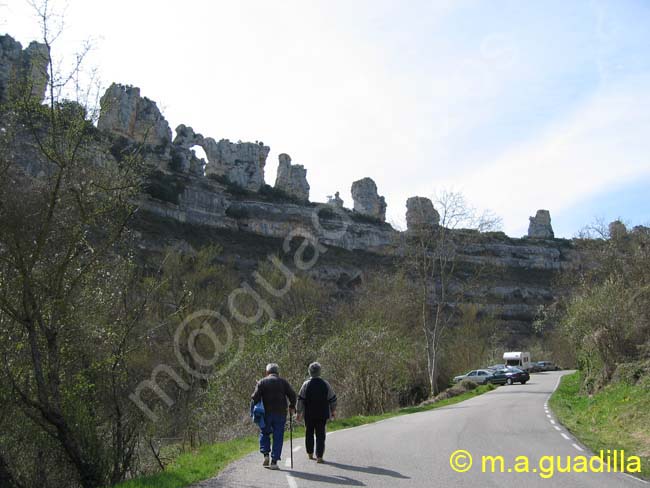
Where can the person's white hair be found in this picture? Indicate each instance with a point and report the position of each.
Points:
(314, 369)
(272, 368)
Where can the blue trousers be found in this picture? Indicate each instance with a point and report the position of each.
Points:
(274, 425)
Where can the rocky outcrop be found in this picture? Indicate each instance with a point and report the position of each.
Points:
(186, 137)
(617, 229)
(420, 214)
(292, 178)
(367, 201)
(240, 163)
(125, 113)
(540, 226)
(179, 203)
(335, 201)
(22, 69)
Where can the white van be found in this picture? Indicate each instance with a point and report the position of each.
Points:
(519, 360)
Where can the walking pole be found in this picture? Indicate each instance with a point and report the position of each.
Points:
(291, 437)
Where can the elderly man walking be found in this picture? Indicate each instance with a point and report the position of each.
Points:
(273, 392)
(317, 402)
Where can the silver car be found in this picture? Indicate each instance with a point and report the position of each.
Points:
(479, 376)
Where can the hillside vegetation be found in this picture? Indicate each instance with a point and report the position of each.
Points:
(606, 324)
(617, 417)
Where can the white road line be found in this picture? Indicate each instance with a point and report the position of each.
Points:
(565, 436)
(635, 478)
(297, 448)
(556, 428)
(552, 421)
(292, 482)
(548, 415)
(577, 447)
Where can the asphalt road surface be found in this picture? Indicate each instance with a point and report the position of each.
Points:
(414, 450)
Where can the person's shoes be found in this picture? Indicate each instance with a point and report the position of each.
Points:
(320, 460)
(274, 465)
(266, 460)
(310, 456)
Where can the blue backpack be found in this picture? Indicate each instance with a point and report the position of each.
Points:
(258, 413)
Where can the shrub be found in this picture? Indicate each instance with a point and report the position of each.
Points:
(166, 188)
(273, 194)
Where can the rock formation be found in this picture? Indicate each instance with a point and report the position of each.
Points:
(213, 213)
(241, 163)
(292, 178)
(617, 229)
(420, 213)
(186, 137)
(22, 69)
(335, 201)
(367, 201)
(540, 226)
(124, 112)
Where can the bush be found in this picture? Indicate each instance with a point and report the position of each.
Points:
(273, 194)
(232, 188)
(454, 391)
(166, 188)
(236, 212)
(365, 219)
(632, 373)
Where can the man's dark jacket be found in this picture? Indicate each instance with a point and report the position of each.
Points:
(274, 392)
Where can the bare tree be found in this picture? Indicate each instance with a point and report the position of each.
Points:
(433, 255)
(66, 291)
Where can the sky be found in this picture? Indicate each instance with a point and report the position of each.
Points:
(520, 105)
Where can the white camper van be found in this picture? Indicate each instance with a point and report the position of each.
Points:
(519, 360)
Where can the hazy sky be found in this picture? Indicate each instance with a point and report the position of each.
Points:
(519, 104)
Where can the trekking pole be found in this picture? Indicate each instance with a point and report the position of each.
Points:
(291, 437)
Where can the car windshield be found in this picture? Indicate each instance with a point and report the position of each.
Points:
(515, 370)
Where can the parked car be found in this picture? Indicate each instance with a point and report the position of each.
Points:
(495, 367)
(498, 377)
(516, 375)
(547, 366)
(509, 376)
(479, 376)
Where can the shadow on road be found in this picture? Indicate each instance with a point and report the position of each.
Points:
(332, 480)
(370, 470)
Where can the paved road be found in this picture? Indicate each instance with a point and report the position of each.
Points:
(414, 450)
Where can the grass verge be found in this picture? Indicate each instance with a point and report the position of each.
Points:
(617, 417)
(209, 460)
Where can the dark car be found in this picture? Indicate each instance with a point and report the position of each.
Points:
(516, 375)
(498, 377)
(547, 366)
(509, 376)
(497, 366)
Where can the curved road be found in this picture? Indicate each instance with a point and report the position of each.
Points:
(414, 450)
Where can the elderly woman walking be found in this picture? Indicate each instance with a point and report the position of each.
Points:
(317, 403)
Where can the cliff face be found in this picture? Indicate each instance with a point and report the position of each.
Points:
(517, 275)
(226, 201)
